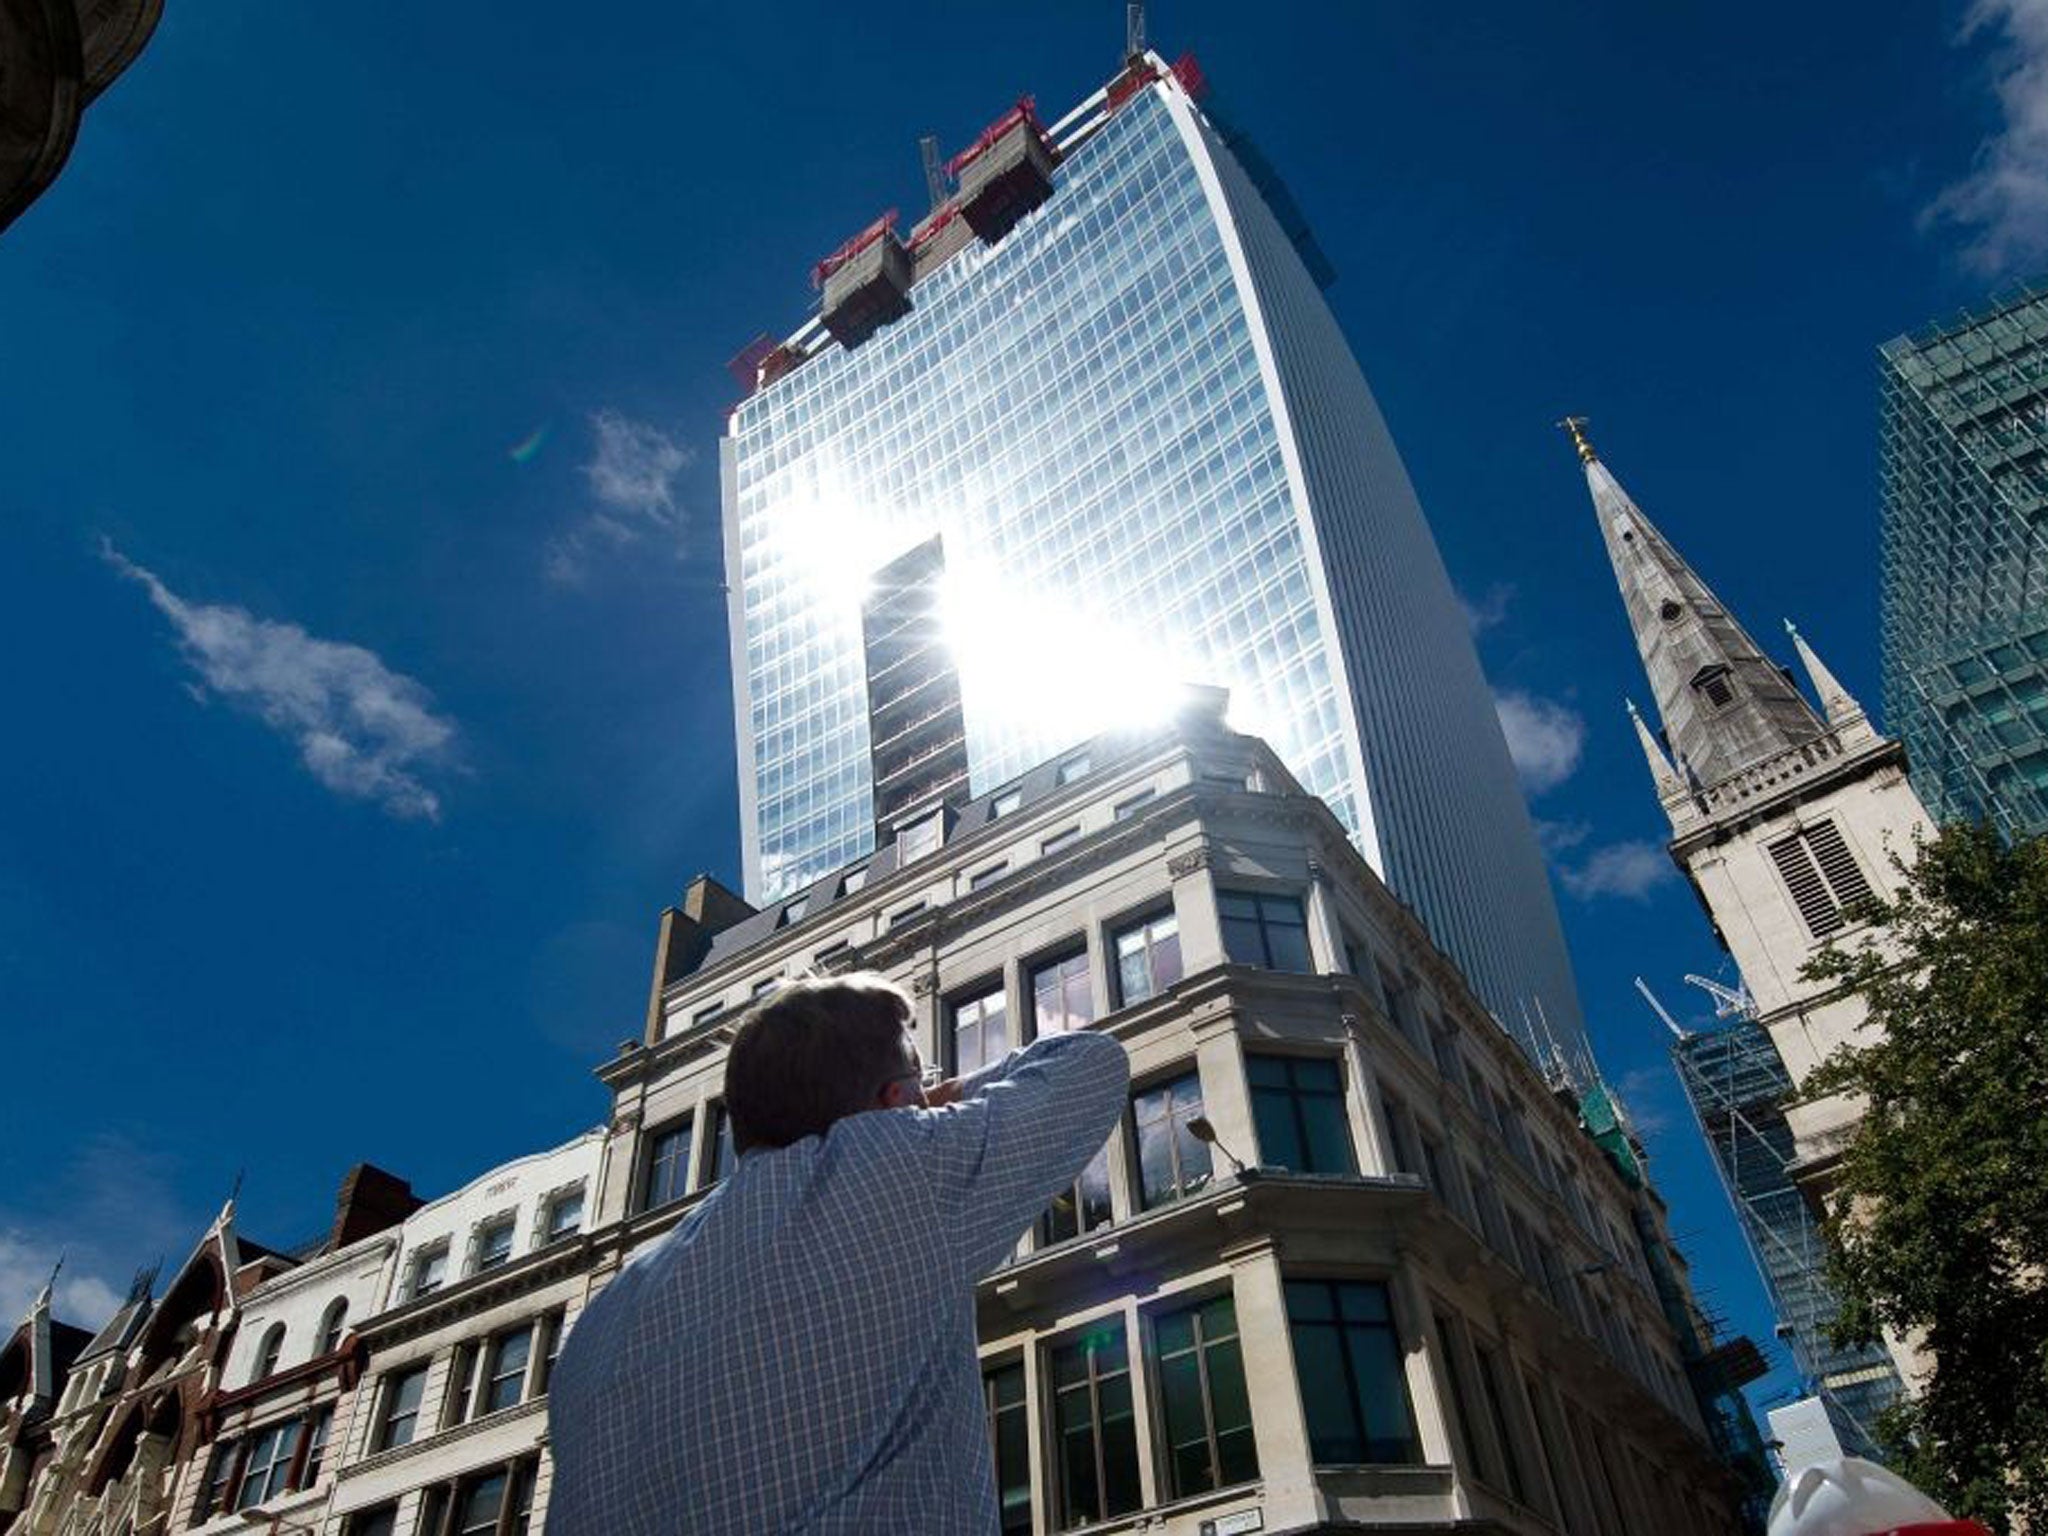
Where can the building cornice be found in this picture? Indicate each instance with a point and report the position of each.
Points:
(478, 1293)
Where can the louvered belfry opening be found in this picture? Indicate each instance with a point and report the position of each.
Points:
(1822, 875)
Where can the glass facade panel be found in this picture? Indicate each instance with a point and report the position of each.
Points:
(1078, 409)
(1140, 434)
(1965, 561)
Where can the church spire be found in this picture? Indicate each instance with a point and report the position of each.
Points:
(1725, 706)
(1669, 785)
(1836, 702)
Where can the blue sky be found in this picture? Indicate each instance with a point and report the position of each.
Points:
(360, 409)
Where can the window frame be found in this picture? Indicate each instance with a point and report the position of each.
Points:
(1142, 924)
(425, 1256)
(1295, 1094)
(333, 1327)
(1043, 1233)
(1093, 1382)
(682, 1128)
(551, 1230)
(1394, 1354)
(994, 1410)
(1201, 1348)
(991, 998)
(390, 1389)
(482, 1261)
(1173, 1118)
(1054, 962)
(269, 1350)
(1264, 927)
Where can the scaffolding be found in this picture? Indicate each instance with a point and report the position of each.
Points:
(1737, 1086)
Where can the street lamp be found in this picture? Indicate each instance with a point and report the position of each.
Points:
(1204, 1132)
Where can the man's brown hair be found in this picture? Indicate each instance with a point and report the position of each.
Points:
(815, 1051)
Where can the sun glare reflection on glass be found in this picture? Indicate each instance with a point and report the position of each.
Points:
(1042, 671)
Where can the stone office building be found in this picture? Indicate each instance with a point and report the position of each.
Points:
(1427, 1300)
(1409, 1282)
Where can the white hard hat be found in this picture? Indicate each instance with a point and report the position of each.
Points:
(1848, 1497)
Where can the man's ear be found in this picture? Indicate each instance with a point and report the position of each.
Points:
(901, 1094)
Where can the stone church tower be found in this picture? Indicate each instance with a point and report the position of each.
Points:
(1784, 819)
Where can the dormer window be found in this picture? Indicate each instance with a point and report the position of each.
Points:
(920, 839)
(1715, 684)
(1671, 611)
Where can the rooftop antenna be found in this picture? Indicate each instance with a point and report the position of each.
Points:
(1134, 28)
(1561, 1071)
(934, 169)
(1659, 1009)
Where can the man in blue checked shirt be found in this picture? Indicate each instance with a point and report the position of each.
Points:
(798, 1355)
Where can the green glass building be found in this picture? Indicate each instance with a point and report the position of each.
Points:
(1965, 576)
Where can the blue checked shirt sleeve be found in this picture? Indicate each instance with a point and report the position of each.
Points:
(1022, 1131)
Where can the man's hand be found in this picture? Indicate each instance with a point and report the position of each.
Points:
(939, 1095)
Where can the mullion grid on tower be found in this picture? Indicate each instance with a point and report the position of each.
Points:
(1735, 1082)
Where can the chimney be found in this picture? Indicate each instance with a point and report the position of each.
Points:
(685, 939)
(370, 1201)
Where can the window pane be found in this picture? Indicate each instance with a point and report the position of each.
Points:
(1187, 1426)
(565, 1215)
(1333, 1428)
(508, 1369)
(1273, 1114)
(1165, 937)
(668, 1170)
(1382, 1387)
(1241, 941)
(1353, 1387)
(1329, 1136)
(1119, 1445)
(1010, 1433)
(479, 1515)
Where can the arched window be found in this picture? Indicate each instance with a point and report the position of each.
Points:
(330, 1325)
(266, 1356)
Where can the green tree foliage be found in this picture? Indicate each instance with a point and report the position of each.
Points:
(1948, 1176)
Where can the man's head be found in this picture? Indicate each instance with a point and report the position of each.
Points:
(816, 1051)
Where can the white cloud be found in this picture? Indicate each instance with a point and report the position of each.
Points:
(1545, 738)
(1630, 870)
(632, 472)
(108, 1211)
(2003, 202)
(1557, 837)
(362, 730)
(1489, 610)
(81, 1299)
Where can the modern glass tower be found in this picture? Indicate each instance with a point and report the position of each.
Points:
(1737, 1085)
(1101, 375)
(1966, 562)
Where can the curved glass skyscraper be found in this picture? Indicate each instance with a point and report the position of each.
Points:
(1131, 436)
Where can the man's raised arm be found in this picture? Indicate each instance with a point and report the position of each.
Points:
(1022, 1130)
